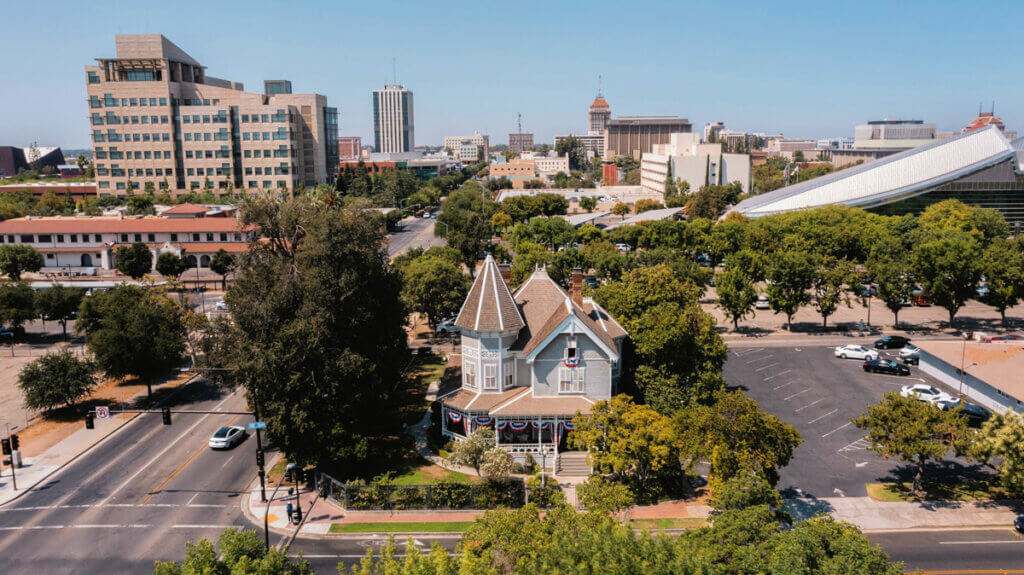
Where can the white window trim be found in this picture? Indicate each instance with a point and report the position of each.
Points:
(490, 377)
(571, 380)
(469, 375)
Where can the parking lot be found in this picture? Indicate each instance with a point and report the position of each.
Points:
(818, 393)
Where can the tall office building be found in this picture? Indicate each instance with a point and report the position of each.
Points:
(393, 124)
(519, 142)
(636, 135)
(598, 115)
(158, 119)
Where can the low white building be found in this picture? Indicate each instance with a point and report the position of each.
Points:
(686, 158)
(469, 149)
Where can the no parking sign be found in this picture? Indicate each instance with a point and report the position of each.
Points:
(102, 412)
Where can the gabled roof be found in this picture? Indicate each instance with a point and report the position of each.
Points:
(546, 306)
(185, 209)
(489, 305)
(889, 179)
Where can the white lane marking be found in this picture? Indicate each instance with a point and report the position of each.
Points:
(817, 401)
(816, 419)
(848, 424)
(796, 394)
(10, 528)
(89, 506)
(757, 359)
(163, 451)
(778, 387)
(208, 505)
(110, 526)
(193, 498)
(778, 374)
(194, 526)
(227, 461)
(767, 366)
(1003, 542)
(45, 527)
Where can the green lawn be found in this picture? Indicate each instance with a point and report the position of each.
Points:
(411, 527)
(668, 523)
(426, 474)
(937, 491)
(427, 369)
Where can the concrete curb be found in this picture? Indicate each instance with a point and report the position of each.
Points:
(999, 526)
(112, 433)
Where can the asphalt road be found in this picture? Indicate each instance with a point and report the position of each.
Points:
(136, 497)
(818, 394)
(413, 233)
(969, 551)
(325, 554)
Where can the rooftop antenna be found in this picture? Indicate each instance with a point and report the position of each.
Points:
(519, 123)
(394, 71)
(599, 82)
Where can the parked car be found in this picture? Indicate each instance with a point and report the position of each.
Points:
(925, 392)
(426, 215)
(982, 290)
(592, 281)
(762, 302)
(910, 354)
(855, 352)
(447, 326)
(975, 414)
(6, 332)
(623, 247)
(891, 342)
(221, 305)
(885, 366)
(227, 437)
(1018, 524)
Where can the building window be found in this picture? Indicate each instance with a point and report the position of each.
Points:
(195, 237)
(99, 238)
(124, 237)
(174, 237)
(508, 373)
(74, 238)
(151, 237)
(26, 238)
(469, 375)
(60, 238)
(570, 380)
(490, 376)
(138, 237)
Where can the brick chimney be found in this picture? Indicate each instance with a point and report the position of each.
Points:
(576, 289)
(506, 274)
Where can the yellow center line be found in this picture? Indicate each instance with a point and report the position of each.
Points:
(180, 467)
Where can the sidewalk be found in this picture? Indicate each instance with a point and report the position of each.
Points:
(871, 515)
(35, 470)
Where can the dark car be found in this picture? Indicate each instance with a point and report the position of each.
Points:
(975, 414)
(885, 366)
(1018, 524)
(891, 342)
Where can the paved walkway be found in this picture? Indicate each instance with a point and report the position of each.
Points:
(870, 515)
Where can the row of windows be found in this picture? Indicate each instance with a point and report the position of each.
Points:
(490, 379)
(115, 154)
(223, 152)
(280, 134)
(112, 136)
(280, 116)
(73, 238)
(281, 152)
(278, 171)
(221, 171)
(219, 118)
(196, 102)
(112, 120)
(221, 136)
(109, 101)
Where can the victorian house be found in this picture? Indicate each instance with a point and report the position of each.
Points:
(531, 359)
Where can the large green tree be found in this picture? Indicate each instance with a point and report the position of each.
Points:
(911, 430)
(17, 304)
(1002, 264)
(790, 276)
(171, 265)
(737, 294)
(59, 303)
(237, 552)
(135, 260)
(56, 379)
(890, 268)
(949, 269)
(133, 331)
(831, 282)
(434, 287)
(316, 336)
(222, 263)
(16, 259)
(1002, 438)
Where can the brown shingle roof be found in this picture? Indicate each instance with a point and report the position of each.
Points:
(489, 305)
(473, 401)
(529, 405)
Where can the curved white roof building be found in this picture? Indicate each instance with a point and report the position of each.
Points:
(980, 168)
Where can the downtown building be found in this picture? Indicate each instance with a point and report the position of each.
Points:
(159, 122)
(393, 121)
(475, 148)
(519, 142)
(634, 136)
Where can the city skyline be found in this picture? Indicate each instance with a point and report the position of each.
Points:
(940, 64)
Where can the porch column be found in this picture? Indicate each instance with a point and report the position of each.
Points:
(497, 434)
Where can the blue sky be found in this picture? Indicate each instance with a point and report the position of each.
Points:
(810, 69)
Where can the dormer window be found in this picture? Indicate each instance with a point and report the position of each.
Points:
(570, 348)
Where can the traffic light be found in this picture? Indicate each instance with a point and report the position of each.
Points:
(259, 458)
(5, 444)
(166, 412)
(89, 421)
(298, 475)
(287, 475)
(14, 442)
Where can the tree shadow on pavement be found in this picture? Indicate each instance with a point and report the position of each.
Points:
(802, 508)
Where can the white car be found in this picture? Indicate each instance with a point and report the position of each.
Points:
(227, 437)
(855, 352)
(925, 392)
(762, 302)
(221, 305)
(909, 350)
(623, 247)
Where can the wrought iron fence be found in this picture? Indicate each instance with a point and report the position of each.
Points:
(443, 495)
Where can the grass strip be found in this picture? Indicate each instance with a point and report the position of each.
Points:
(402, 527)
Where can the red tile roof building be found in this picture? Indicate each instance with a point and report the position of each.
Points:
(92, 242)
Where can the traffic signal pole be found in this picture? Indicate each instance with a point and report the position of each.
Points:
(14, 478)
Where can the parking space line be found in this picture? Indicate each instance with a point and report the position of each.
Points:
(778, 374)
(778, 387)
(848, 424)
(767, 366)
(799, 409)
(796, 394)
(816, 419)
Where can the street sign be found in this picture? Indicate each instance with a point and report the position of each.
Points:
(258, 425)
(102, 412)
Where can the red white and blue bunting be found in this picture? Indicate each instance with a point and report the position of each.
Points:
(571, 361)
(483, 420)
(518, 425)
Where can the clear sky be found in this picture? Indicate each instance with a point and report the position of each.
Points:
(809, 70)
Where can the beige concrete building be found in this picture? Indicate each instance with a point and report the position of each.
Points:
(394, 128)
(475, 148)
(699, 164)
(519, 142)
(158, 119)
(636, 135)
